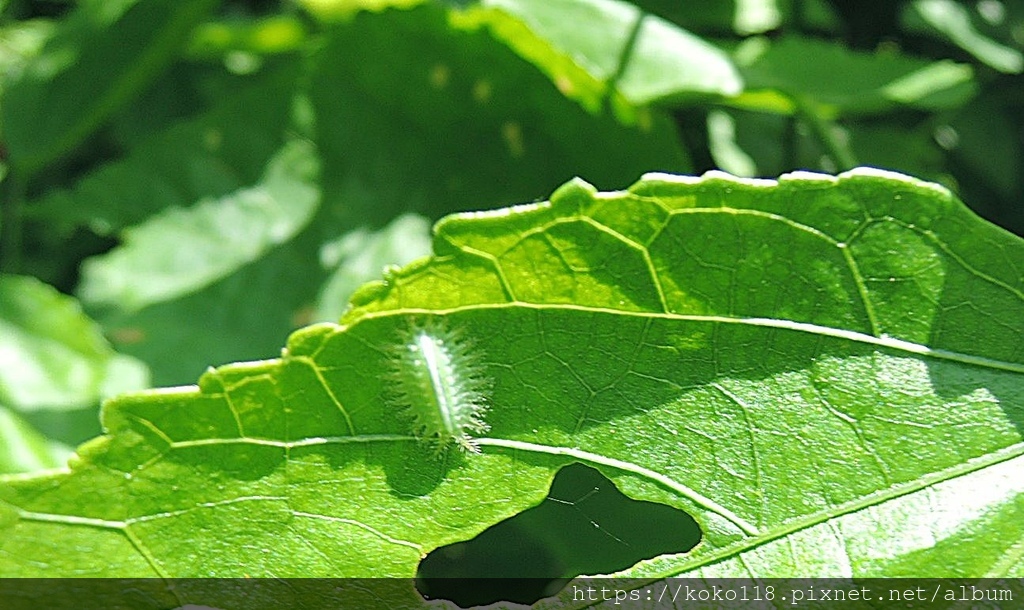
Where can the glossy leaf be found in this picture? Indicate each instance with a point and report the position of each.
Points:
(826, 373)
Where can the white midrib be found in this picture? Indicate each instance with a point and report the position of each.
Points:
(883, 341)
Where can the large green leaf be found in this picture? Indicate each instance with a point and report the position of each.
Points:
(457, 119)
(827, 373)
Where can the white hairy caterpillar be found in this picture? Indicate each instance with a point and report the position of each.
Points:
(438, 379)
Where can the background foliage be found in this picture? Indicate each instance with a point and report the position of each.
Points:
(186, 182)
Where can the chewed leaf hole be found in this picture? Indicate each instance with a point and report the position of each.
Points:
(584, 526)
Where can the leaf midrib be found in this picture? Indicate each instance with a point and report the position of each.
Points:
(884, 341)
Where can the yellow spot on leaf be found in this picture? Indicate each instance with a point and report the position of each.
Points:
(439, 76)
(512, 132)
(565, 86)
(482, 91)
(127, 335)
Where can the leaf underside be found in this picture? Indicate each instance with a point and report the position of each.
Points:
(826, 372)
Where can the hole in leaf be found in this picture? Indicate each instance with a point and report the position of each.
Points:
(584, 526)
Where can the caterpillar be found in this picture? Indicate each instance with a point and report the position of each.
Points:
(439, 381)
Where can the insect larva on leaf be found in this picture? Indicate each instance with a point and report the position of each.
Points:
(439, 380)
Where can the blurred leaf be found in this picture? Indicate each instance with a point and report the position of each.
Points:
(358, 257)
(953, 21)
(219, 156)
(889, 144)
(840, 81)
(96, 61)
(598, 49)
(768, 144)
(720, 18)
(248, 314)
(725, 149)
(52, 356)
(23, 449)
(780, 360)
(756, 16)
(221, 151)
(244, 316)
(984, 139)
(332, 11)
(19, 42)
(456, 121)
(181, 250)
(268, 35)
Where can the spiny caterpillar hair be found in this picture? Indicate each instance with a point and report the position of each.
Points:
(439, 380)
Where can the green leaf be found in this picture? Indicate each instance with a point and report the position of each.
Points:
(784, 361)
(841, 81)
(269, 35)
(594, 49)
(725, 149)
(244, 316)
(96, 61)
(743, 17)
(332, 11)
(52, 356)
(181, 250)
(748, 144)
(23, 449)
(222, 150)
(359, 256)
(485, 126)
(722, 18)
(214, 156)
(953, 21)
(984, 139)
(19, 42)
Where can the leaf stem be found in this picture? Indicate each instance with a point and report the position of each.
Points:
(624, 57)
(12, 202)
(790, 143)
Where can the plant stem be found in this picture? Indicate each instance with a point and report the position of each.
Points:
(790, 144)
(624, 57)
(824, 130)
(12, 196)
